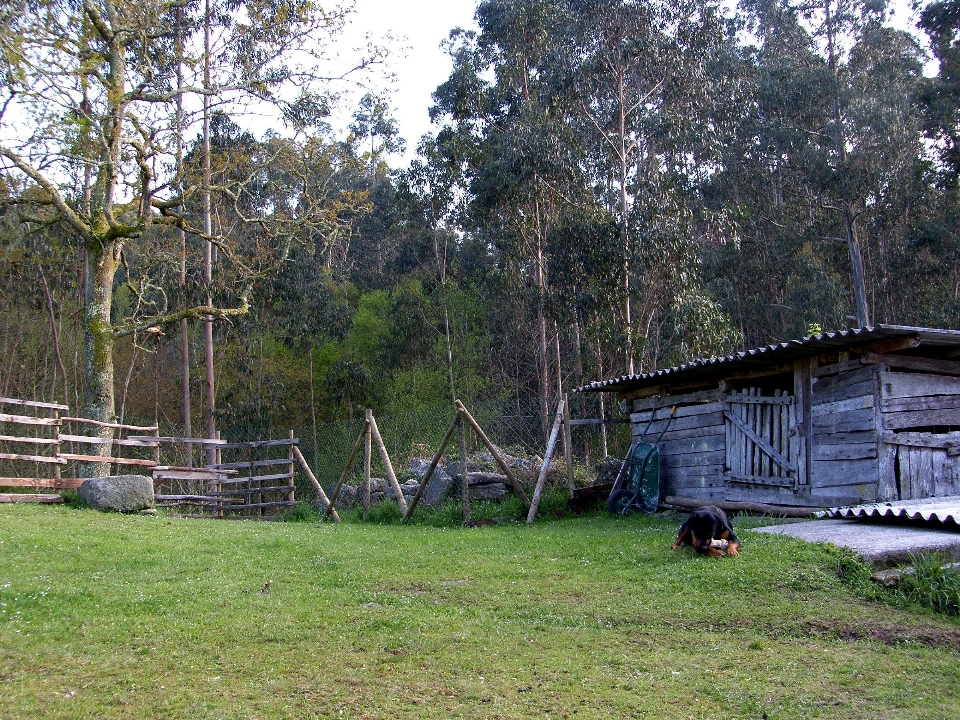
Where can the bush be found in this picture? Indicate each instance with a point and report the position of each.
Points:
(932, 585)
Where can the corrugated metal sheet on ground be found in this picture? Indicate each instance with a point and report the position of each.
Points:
(943, 510)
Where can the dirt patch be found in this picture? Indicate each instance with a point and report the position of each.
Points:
(890, 634)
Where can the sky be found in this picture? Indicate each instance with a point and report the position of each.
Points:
(420, 26)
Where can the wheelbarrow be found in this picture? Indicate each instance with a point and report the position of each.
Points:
(637, 486)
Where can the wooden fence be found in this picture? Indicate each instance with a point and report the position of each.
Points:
(43, 451)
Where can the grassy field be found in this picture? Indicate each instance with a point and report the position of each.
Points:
(108, 616)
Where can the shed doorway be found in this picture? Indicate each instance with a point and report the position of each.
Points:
(761, 439)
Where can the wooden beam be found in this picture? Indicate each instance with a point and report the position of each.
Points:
(32, 441)
(111, 460)
(433, 466)
(31, 403)
(27, 420)
(568, 446)
(313, 480)
(346, 472)
(29, 497)
(547, 457)
(764, 508)
(34, 458)
(388, 466)
(493, 451)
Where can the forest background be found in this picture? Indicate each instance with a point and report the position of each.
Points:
(612, 187)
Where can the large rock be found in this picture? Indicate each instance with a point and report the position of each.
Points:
(438, 488)
(123, 493)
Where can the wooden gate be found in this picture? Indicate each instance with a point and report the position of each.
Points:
(761, 439)
(925, 464)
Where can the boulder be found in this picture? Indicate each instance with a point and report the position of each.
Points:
(490, 491)
(122, 493)
(438, 488)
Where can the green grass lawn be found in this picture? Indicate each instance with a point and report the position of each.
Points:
(108, 616)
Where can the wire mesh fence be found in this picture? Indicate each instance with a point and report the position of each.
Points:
(517, 426)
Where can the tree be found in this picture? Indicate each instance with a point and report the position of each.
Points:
(87, 118)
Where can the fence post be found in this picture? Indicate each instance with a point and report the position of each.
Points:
(568, 445)
(367, 460)
(547, 457)
(291, 491)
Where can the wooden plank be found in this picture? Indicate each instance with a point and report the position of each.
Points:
(111, 460)
(187, 441)
(33, 404)
(842, 495)
(52, 483)
(850, 421)
(666, 401)
(197, 498)
(897, 385)
(683, 423)
(30, 497)
(187, 475)
(31, 441)
(922, 403)
(692, 459)
(846, 379)
(925, 418)
(718, 430)
(692, 444)
(761, 480)
(772, 496)
(855, 390)
(852, 451)
(253, 491)
(253, 445)
(846, 438)
(34, 458)
(115, 426)
(939, 441)
(826, 473)
(685, 411)
(820, 371)
(90, 439)
(761, 443)
(27, 420)
(250, 464)
(258, 478)
(597, 421)
(845, 405)
(920, 364)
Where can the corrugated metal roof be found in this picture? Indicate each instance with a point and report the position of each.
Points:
(943, 510)
(715, 368)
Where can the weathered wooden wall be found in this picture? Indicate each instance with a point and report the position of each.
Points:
(844, 445)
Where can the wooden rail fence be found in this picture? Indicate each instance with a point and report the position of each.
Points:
(45, 451)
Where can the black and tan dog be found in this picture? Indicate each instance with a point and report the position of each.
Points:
(704, 526)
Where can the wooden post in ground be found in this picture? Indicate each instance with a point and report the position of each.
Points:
(464, 471)
(313, 479)
(346, 472)
(495, 452)
(388, 466)
(568, 445)
(367, 460)
(548, 456)
(290, 493)
(433, 466)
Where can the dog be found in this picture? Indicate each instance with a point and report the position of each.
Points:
(705, 526)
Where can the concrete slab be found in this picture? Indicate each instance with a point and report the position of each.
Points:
(879, 545)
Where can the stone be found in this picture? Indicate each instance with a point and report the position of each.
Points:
(491, 491)
(438, 488)
(122, 493)
(486, 478)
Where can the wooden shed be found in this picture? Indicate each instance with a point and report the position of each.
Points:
(864, 415)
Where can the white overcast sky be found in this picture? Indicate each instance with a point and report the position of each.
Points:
(421, 26)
